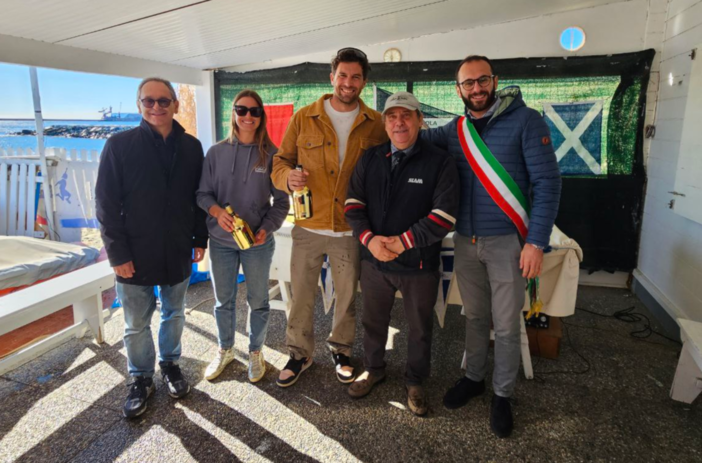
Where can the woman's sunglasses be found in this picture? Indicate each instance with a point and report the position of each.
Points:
(241, 111)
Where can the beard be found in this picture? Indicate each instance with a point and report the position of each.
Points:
(346, 99)
(483, 106)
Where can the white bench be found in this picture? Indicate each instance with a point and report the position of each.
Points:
(82, 288)
(687, 383)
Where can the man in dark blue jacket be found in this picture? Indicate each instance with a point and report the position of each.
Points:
(151, 226)
(510, 190)
(401, 202)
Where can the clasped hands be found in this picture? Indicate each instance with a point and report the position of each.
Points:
(386, 248)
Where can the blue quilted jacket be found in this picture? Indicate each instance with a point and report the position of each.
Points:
(519, 138)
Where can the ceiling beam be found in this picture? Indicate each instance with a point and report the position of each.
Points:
(27, 52)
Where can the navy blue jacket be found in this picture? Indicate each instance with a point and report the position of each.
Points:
(147, 212)
(520, 140)
(416, 201)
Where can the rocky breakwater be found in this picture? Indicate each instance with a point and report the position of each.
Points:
(78, 131)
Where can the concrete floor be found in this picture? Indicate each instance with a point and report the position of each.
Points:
(66, 405)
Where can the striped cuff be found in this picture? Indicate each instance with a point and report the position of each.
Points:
(352, 204)
(365, 237)
(443, 219)
(407, 239)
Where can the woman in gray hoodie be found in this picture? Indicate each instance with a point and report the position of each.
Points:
(237, 171)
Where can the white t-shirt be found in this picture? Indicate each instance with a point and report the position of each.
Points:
(342, 123)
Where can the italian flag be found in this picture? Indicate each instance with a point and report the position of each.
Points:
(499, 184)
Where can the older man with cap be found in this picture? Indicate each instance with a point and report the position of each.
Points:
(401, 202)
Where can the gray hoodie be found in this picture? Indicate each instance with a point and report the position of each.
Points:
(229, 176)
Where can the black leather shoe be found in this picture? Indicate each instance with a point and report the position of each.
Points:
(461, 392)
(501, 416)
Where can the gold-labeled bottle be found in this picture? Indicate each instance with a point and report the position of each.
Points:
(242, 233)
(302, 201)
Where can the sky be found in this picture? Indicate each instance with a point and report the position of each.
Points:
(64, 94)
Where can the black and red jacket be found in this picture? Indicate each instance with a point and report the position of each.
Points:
(417, 202)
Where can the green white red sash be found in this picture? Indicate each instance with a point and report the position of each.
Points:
(492, 175)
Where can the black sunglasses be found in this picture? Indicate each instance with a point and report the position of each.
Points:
(241, 111)
(358, 53)
(150, 102)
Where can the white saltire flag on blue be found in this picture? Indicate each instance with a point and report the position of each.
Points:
(576, 134)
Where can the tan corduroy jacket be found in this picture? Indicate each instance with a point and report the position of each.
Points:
(310, 140)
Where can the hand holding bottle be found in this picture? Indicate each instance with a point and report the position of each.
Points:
(297, 179)
(224, 220)
(260, 237)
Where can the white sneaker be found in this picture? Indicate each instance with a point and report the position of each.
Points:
(216, 367)
(257, 366)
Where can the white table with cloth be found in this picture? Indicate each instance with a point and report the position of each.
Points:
(558, 283)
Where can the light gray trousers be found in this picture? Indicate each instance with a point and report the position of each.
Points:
(492, 289)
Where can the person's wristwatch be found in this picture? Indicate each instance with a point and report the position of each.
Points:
(537, 247)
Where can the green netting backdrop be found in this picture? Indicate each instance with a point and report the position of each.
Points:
(618, 137)
(600, 208)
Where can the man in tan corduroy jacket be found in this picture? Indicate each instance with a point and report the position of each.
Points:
(327, 138)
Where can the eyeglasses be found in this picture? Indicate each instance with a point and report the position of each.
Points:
(241, 111)
(482, 81)
(358, 53)
(162, 102)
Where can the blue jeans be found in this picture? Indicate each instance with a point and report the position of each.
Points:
(139, 303)
(224, 266)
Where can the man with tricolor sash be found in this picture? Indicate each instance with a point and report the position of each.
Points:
(510, 190)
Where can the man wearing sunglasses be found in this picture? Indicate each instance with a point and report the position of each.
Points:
(153, 232)
(510, 190)
(327, 138)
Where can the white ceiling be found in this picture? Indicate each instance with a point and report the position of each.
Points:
(220, 33)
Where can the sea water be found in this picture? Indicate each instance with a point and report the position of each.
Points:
(8, 127)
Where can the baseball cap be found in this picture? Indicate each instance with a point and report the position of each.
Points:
(403, 100)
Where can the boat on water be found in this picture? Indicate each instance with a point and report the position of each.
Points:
(108, 115)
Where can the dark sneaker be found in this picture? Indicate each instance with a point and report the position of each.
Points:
(461, 392)
(291, 373)
(344, 370)
(417, 400)
(362, 386)
(501, 416)
(139, 390)
(177, 386)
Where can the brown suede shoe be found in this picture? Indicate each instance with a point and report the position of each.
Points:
(417, 400)
(364, 383)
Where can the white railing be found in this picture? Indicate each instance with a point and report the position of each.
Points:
(72, 174)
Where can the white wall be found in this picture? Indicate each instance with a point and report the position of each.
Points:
(670, 257)
(613, 28)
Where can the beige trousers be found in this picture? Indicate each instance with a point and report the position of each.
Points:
(308, 252)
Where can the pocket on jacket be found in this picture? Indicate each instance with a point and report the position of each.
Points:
(310, 151)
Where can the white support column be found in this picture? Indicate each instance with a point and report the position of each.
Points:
(205, 109)
(47, 186)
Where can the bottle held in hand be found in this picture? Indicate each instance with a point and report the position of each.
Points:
(243, 235)
(302, 201)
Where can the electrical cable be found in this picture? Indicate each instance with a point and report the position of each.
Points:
(629, 316)
(191, 309)
(625, 315)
